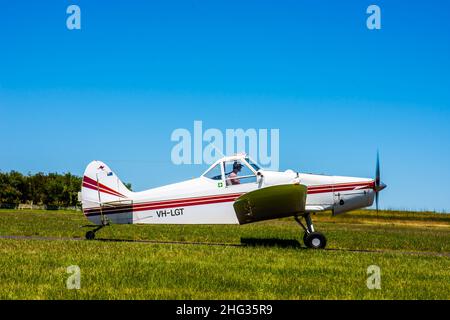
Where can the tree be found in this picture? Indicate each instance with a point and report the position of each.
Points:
(53, 189)
(12, 187)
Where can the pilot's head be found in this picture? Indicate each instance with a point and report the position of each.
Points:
(237, 167)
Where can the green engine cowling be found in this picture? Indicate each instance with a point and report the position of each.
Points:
(271, 203)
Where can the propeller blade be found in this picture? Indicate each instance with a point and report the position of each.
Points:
(376, 201)
(377, 172)
(377, 181)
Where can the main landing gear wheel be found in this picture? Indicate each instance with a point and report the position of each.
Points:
(311, 238)
(90, 235)
(315, 240)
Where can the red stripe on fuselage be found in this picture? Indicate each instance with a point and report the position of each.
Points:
(336, 189)
(174, 201)
(164, 204)
(338, 185)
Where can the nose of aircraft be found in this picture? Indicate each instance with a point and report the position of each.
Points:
(380, 186)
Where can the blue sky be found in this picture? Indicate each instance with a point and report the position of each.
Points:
(137, 70)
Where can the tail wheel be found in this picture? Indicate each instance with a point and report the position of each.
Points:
(315, 240)
(90, 235)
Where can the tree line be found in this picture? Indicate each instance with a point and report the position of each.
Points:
(51, 189)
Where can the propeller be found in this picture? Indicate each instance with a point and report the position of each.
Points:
(378, 184)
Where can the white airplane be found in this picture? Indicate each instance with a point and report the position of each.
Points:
(234, 190)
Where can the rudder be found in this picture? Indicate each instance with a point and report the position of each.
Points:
(104, 195)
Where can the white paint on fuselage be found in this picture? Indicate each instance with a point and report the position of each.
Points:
(191, 210)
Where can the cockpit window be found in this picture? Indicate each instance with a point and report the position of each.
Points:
(237, 172)
(214, 173)
(254, 165)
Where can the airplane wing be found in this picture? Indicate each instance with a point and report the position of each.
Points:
(271, 203)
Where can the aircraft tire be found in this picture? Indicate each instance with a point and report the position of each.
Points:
(90, 235)
(304, 237)
(315, 240)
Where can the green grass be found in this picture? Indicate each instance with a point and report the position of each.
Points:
(414, 259)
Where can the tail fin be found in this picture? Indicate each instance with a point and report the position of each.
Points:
(101, 186)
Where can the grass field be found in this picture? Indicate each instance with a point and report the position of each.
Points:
(266, 260)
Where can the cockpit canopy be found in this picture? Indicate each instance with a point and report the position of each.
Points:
(233, 170)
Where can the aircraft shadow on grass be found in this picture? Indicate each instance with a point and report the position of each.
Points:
(250, 242)
(271, 242)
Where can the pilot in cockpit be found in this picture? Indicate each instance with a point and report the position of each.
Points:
(232, 177)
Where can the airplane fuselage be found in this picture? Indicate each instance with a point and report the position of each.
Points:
(206, 201)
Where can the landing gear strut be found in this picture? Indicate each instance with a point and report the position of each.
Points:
(90, 235)
(311, 238)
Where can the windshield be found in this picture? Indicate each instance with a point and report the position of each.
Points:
(214, 173)
(254, 165)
